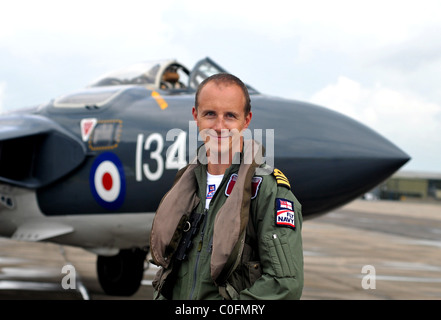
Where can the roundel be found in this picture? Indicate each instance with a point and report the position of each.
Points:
(107, 181)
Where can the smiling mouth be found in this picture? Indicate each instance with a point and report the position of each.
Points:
(219, 136)
(216, 136)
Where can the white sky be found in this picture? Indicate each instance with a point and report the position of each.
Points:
(376, 61)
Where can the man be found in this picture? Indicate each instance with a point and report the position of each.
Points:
(227, 230)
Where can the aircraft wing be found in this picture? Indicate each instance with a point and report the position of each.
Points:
(35, 151)
(38, 231)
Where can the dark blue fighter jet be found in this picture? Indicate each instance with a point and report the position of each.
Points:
(89, 168)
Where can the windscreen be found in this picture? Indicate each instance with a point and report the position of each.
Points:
(139, 73)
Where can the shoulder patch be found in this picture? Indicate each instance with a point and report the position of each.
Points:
(281, 179)
(255, 185)
(230, 184)
(285, 215)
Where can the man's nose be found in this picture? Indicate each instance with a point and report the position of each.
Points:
(219, 124)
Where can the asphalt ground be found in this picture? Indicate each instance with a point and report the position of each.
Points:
(366, 250)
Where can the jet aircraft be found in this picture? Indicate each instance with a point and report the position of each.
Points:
(89, 168)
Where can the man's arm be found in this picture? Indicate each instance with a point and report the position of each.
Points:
(279, 245)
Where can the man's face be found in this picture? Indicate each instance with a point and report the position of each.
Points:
(221, 118)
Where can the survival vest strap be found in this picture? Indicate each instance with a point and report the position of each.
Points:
(177, 205)
(248, 251)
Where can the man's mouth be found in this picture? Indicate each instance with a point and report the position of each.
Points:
(217, 136)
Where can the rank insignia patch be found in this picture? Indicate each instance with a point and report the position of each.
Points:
(281, 178)
(285, 215)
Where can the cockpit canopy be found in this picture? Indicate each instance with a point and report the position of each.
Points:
(162, 75)
(169, 76)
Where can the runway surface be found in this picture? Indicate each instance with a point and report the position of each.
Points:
(364, 250)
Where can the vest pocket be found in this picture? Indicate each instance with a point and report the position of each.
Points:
(245, 275)
(254, 271)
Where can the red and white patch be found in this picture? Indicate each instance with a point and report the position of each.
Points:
(255, 185)
(230, 184)
(87, 126)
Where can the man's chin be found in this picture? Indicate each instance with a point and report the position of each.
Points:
(219, 154)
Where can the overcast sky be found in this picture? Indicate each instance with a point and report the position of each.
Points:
(377, 61)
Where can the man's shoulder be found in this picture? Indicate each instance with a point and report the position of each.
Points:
(271, 182)
(272, 177)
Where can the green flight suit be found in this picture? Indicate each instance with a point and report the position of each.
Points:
(279, 247)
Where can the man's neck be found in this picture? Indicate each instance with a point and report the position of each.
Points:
(217, 169)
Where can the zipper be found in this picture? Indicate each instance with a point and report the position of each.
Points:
(210, 245)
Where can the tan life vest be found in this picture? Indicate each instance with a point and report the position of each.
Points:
(232, 219)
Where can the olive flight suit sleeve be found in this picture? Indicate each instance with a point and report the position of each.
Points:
(279, 243)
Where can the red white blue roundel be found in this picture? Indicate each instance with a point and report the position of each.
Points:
(107, 181)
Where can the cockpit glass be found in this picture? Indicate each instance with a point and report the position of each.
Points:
(90, 97)
(141, 73)
(202, 71)
(206, 68)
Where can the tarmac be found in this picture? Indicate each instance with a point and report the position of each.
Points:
(366, 250)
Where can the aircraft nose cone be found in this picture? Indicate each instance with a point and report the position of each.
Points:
(329, 158)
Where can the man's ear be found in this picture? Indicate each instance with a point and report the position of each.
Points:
(248, 119)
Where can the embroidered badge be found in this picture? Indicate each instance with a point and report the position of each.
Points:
(231, 184)
(281, 178)
(255, 185)
(211, 191)
(285, 215)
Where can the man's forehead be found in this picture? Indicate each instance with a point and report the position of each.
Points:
(212, 87)
(215, 92)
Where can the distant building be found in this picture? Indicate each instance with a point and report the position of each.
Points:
(410, 185)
